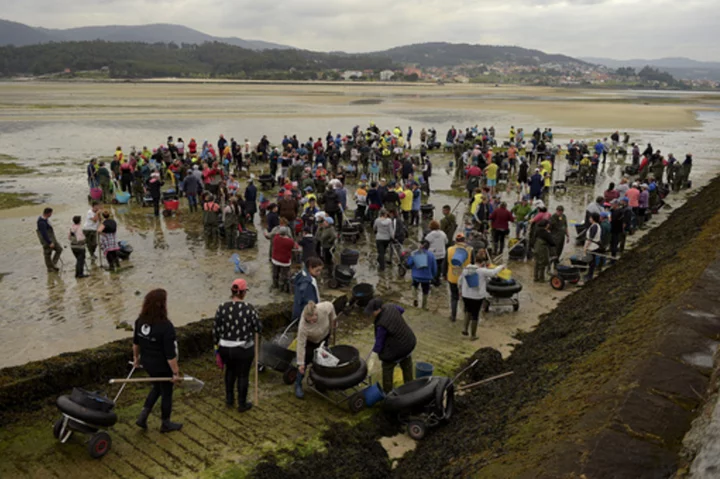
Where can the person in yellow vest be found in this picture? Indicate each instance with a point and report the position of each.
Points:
(512, 134)
(546, 165)
(309, 195)
(476, 201)
(119, 154)
(491, 172)
(547, 183)
(405, 201)
(458, 257)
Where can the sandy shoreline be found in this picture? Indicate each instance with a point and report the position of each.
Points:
(623, 109)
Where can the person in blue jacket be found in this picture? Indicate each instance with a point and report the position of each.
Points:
(424, 270)
(306, 287)
(536, 185)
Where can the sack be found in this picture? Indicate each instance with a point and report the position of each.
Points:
(472, 280)
(324, 357)
(420, 260)
(459, 256)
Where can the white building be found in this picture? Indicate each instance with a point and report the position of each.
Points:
(350, 74)
(386, 75)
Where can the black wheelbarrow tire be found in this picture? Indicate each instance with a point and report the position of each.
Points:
(402, 271)
(356, 403)
(322, 383)
(417, 429)
(557, 283)
(290, 375)
(99, 444)
(516, 305)
(333, 283)
(96, 418)
(418, 392)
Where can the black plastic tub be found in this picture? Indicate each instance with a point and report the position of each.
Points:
(363, 293)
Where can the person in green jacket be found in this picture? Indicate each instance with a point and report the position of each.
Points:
(521, 212)
(448, 224)
(542, 249)
(326, 236)
(559, 230)
(103, 175)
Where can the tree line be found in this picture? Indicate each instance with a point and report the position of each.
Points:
(212, 60)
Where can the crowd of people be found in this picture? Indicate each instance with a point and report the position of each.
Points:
(507, 183)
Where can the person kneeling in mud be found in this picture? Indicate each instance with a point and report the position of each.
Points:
(394, 341)
(472, 285)
(316, 323)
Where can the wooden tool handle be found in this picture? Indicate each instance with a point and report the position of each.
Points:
(257, 355)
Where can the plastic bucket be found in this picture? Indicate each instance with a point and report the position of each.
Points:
(423, 370)
(373, 394)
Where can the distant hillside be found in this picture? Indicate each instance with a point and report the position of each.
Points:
(12, 33)
(453, 54)
(684, 68)
(211, 60)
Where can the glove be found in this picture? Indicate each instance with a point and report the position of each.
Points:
(219, 361)
(371, 361)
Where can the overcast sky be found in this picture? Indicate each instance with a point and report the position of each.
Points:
(620, 29)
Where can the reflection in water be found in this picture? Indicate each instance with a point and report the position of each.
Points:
(56, 291)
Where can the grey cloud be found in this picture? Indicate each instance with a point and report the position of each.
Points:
(615, 28)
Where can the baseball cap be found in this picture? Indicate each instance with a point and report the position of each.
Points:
(329, 220)
(373, 305)
(239, 285)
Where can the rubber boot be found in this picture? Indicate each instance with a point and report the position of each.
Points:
(169, 426)
(298, 386)
(142, 418)
(467, 323)
(473, 330)
(425, 301)
(453, 309)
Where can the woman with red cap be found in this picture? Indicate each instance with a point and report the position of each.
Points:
(236, 323)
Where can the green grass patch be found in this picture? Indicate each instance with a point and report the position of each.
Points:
(8, 166)
(15, 200)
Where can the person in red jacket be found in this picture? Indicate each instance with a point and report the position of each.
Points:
(500, 220)
(282, 250)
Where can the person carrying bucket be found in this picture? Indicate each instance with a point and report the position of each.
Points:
(394, 342)
(314, 328)
(424, 269)
(458, 257)
(472, 286)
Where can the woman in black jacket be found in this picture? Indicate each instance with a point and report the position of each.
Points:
(155, 347)
(236, 323)
(154, 185)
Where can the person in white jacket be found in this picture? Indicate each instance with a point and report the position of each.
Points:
(472, 285)
(316, 324)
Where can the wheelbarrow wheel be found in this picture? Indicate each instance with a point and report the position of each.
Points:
(416, 429)
(557, 283)
(333, 283)
(402, 270)
(516, 305)
(290, 375)
(99, 444)
(57, 428)
(357, 402)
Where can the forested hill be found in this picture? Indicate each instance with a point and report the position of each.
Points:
(142, 60)
(454, 54)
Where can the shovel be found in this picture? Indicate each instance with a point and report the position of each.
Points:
(191, 383)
